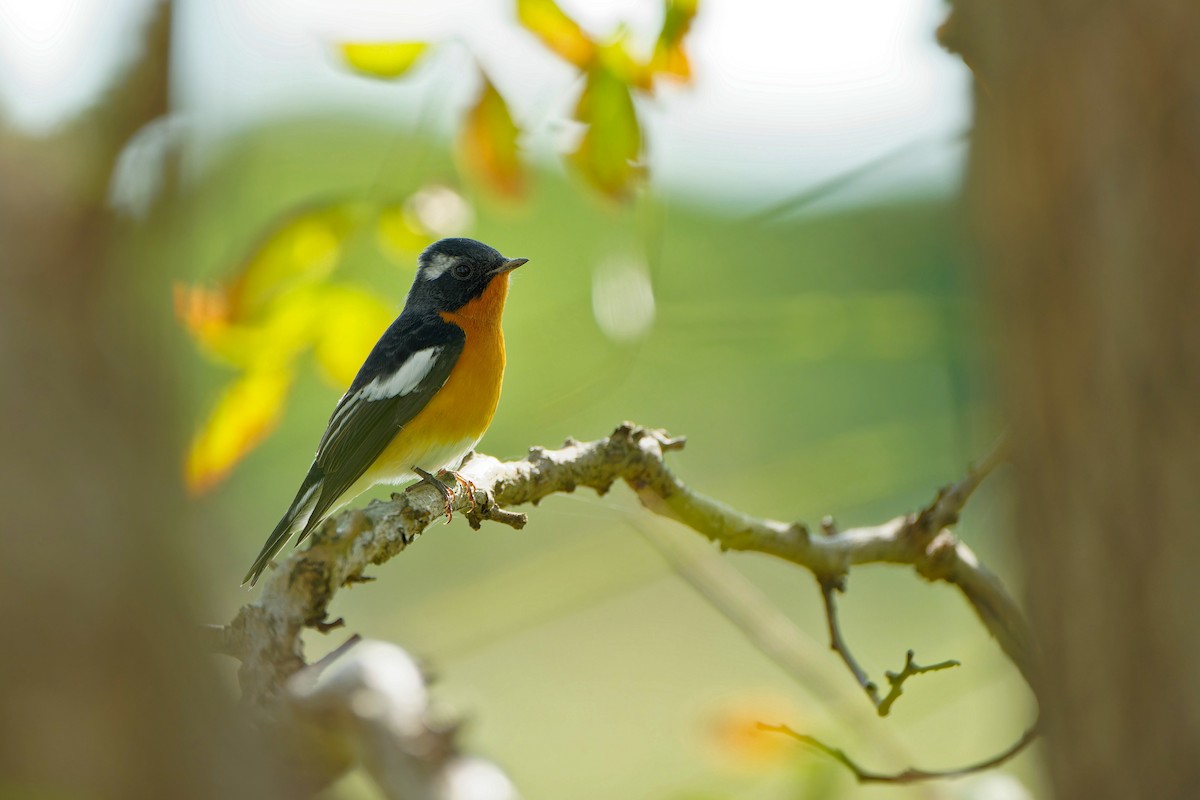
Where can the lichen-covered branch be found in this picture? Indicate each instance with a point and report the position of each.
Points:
(266, 634)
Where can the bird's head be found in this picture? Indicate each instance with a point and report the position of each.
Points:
(453, 272)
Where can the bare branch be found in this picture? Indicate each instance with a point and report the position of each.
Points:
(838, 644)
(317, 667)
(770, 631)
(911, 774)
(265, 635)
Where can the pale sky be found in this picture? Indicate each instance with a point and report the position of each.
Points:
(787, 93)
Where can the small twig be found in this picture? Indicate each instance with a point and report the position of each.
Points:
(484, 507)
(838, 644)
(910, 669)
(950, 500)
(318, 666)
(823, 189)
(911, 774)
(767, 628)
(307, 677)
(325, 625)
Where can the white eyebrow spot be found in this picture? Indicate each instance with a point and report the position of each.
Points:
(436, 265)
(403, 380)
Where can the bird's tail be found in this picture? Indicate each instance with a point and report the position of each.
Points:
(295, 520)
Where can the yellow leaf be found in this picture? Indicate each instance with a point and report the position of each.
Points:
(248, 409)
(616, 58)
(669, 56)
(352, 320)
(288, 326)
(609, 153)
(338, 323)
(382, 59)
(557, 31)
(304, 247)
(488, 143)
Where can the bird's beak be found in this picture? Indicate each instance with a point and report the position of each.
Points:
(509, 266)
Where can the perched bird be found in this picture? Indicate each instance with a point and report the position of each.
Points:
(422, 399)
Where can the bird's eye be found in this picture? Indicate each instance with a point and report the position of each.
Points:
(462, 271)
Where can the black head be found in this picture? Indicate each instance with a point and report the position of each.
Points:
(453, 272)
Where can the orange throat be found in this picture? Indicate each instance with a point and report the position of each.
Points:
(482, 315)
(466, 403)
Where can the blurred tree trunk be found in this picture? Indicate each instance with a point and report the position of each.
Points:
(106, 692)
(1085, 180)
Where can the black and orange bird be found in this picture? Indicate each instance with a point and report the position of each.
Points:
(422, 399)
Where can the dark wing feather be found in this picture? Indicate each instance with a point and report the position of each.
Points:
(360, 429)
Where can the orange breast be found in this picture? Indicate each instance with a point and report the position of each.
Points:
(464, 407)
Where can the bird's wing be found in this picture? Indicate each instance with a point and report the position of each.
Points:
(408, 366)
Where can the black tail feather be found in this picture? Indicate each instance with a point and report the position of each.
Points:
(298, 518)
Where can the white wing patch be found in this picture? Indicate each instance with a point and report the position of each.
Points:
(404, 380)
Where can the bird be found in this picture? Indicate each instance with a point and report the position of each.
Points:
(423, 398)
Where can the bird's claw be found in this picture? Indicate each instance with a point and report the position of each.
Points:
(464, 484)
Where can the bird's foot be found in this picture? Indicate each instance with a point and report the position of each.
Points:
(443, 489)
(464, 484)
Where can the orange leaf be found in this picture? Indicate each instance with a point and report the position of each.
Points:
(557, 31)
(382, 59)
(488, 143)
(248, 409)
(669, 56)
(609, 152)
(203, 312)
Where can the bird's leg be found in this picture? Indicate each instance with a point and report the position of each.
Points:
(463, 484)
(447, 494)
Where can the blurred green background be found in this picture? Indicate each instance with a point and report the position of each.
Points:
(832, 362)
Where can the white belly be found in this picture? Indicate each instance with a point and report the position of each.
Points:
(392, 472)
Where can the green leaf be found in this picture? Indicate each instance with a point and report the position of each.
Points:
(386, 60)
(609, 153)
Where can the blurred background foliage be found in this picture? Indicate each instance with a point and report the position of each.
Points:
(825, 361)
